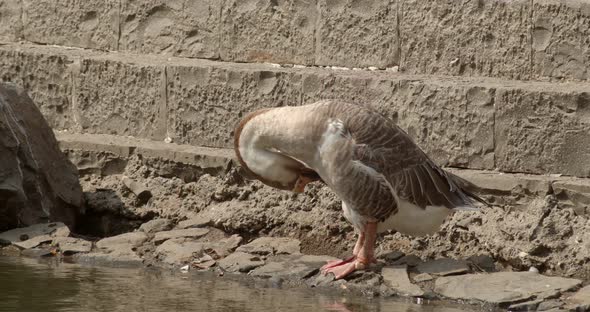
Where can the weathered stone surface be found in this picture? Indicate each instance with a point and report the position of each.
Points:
(128, 240)
(72, 245)
(542, 131)
(272, 246)
(156, 225)
(502, 287)
(56, 229)
(33, 242)
(475, 38)
(424, 277)
(525, 306)
(179, 251)
(396, 277)
(269, 31)
(178, 27)
(223, 247)
(195, 222)
(122, 98)
(113, 259)
(482, 262)
(391, 256)
(358, 33)
(409, 260)
(74, 23)
(581, 299)
(560, 39)
(186, 233)
(205, 102)
(574, 193)
(550, 305)
(10, 20)
(240, 262)
(47, 78)
(37, 182)
(443, 267)
(298, 266)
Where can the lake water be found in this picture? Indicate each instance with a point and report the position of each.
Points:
(30, 285)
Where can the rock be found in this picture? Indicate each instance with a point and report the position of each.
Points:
(179, 250)
(240, 262)
(142, 193)
(391, 256)
(35, 235)
(396, 277)
(482, 262)
(549, 304)
(195, 222)
(272, 246)
(297, 266)
(37, 252)
(37, 182)
(156, 225)
(71, 245)
(502, 287)
(33, 242)
(409, 260)
(119, 251)
(186, 233)
(424, 277)
(525, 306)
(130, 240)
(581, 299)
(224, 247)
(443, 267)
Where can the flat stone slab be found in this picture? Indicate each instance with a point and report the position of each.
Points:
(396, 278)
(195, 222)
(130, 240)
(423, 277)
(179, 251)
(185, 233)
(156, 225)
(443, 266)
(22, 235)
(240, 262)
(580, 298)
(72, 245)
(272, 246)
(502, 287)
(299, 266)
(33, 242)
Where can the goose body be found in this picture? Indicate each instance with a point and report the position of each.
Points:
(385, 181)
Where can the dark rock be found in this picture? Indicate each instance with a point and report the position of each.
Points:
(156, 225)
(272, 246)
(186, 233)
(240, 262)
(409, 260)
(443, 267)
(396, 277)
(391, 256)
(483, 263)
(502, 287)
(37, 182)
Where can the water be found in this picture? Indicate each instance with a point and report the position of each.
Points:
(30, 285)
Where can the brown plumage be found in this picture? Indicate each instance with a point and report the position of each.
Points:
(383, 178)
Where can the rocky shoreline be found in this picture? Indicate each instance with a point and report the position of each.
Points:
(193, 244)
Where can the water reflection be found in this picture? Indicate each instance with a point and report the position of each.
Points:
(31, 285)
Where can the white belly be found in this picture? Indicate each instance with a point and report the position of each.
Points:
(415, 221)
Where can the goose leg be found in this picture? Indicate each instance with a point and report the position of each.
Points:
(365, 256)
(357, 247)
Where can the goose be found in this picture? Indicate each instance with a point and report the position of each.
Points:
(385, 181)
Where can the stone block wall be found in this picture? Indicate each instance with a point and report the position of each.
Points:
(493, 84)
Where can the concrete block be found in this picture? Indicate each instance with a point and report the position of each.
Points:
(74, 23)
(120, 97)
(187, 28)
(269, 31)
(561, 39)
(206, 102)
(453, 123)
(355, 33)
(46, 77)
(10, 20)
(546, 130)
(475, 38)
